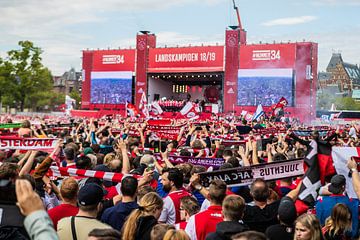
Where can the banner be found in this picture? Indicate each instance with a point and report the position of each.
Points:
(55, 171)
(246, 175)
(114, 60)
(188, 59)
(162, 128)
(27, 143)
(206, 162)
(10, 125)
(307, 133)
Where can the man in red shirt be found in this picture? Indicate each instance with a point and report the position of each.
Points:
(172, 180)
(69, 191)
(202, 223)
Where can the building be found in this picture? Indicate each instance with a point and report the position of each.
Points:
(338, 73)
(69, 81)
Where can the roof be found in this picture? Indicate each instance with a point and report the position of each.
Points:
(335, 59)
(352, 70)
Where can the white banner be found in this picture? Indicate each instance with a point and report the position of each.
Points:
(27, 143)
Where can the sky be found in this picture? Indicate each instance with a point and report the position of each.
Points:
(63, 28)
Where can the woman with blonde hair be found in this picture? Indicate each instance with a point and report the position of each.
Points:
(176, 235)
(307, 227)
(141, 221)
(338, 224)
(25, 129)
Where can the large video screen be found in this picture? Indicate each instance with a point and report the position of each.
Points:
(265, 86)
(111, 87)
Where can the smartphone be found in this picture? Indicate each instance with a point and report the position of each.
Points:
(357, 160)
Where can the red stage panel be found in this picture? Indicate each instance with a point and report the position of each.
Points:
(301, 57)
(267, 56)
(189, 59)
(114, 60)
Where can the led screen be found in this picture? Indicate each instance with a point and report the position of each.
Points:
(111, 87)
(265, 86)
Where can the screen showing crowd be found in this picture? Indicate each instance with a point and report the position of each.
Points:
(265, 86)
(111, 87)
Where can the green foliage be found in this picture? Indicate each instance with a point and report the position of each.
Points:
(346, 103)
(24, 81)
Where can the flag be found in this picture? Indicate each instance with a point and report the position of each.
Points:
(325, 160)
(311, 180)
(143, 101)
(333, 107)
(131, 110)
(340, 156)
(259, 112)
(143, 105)
(69, 104)
(279, 106)
(190, 110)
(155, 109)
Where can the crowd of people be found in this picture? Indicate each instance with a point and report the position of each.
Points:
(111, 91)
(157, 198)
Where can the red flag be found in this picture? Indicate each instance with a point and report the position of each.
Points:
(279, 106)
(131, 110)
(190, 110)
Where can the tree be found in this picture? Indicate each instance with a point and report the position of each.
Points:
(347, 103)
(6, 82)
(30, 76)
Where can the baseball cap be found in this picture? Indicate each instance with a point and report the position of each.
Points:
(90, 194)
(287, 211)
(336, 184)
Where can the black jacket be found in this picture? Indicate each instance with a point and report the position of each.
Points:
(144, 227)
(226, 229)
(11, 224)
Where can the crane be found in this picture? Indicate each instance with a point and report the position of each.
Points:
(242, 32)
(238, 15)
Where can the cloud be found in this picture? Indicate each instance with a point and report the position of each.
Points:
(175, 39)
(289, 21)
(55, 26)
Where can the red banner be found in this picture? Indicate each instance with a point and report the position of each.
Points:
(267, 56)
(189, 59)
(114, 60)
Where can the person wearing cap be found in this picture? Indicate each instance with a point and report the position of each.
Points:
(79, 226)
(326, 203)
(287, 216)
